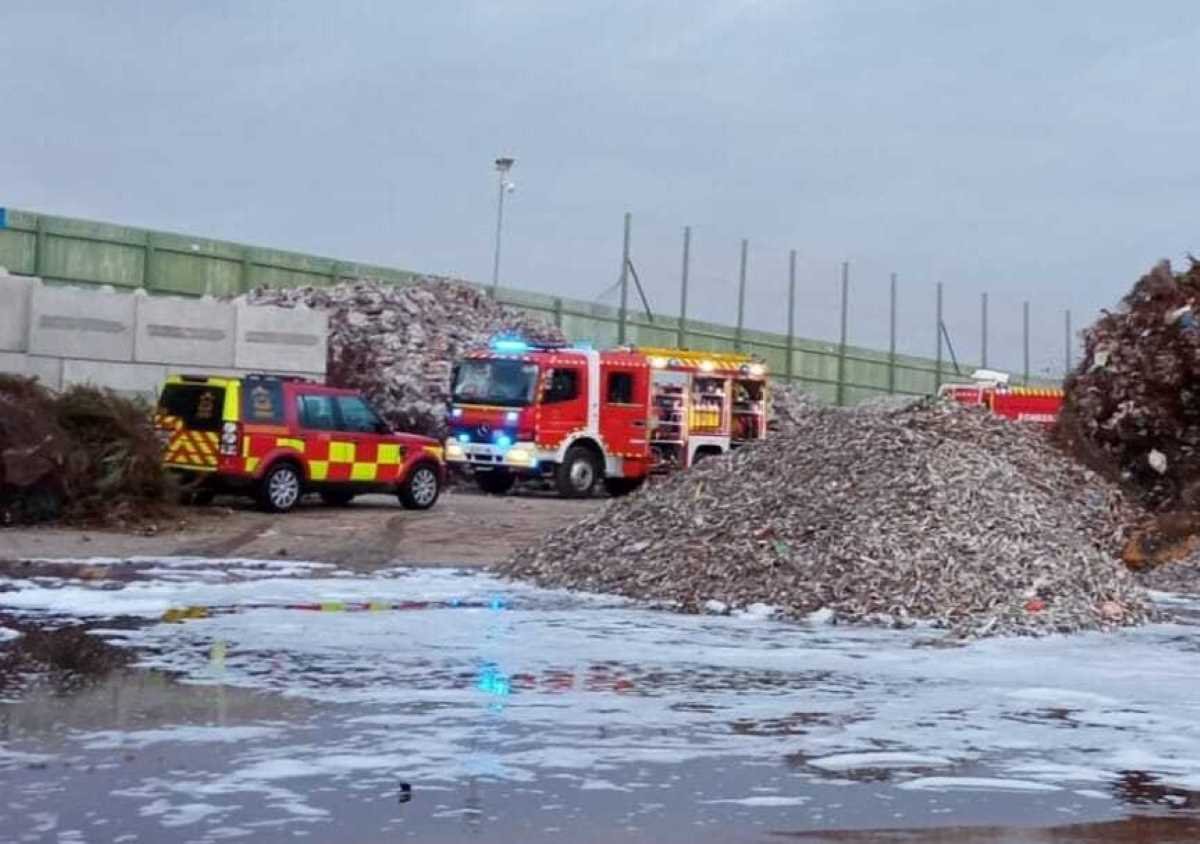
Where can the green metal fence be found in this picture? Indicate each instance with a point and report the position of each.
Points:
(65, 250)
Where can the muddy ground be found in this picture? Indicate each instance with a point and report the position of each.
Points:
(462, 529)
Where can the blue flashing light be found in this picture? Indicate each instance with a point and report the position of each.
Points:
(464, 438)
(511, 416)
(510, 346)
(584, 346)
(503, 440)
(493, 681)
(497, 603)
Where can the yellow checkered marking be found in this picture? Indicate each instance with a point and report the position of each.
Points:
(251, 463)
(389, 455)
(341, 452)
(318, 470)
(362, 472)
(288, 442)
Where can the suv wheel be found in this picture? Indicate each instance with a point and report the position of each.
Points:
(280, 488)
(421, 489)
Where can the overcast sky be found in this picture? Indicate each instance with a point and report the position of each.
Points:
(1042, 150)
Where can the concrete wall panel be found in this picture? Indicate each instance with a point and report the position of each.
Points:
(287, 339)
(15, 292)
(142, 379)
(182, 332)
(70, 323)
(48, 371)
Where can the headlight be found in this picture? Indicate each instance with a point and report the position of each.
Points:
(454, 451)
(519, 457)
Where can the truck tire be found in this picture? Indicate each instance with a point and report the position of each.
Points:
(279, 490)
(578, 473)
(616, 487)
(495, 482)
(421, 488)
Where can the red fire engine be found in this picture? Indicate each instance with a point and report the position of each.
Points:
(579, 416)
(991, 389)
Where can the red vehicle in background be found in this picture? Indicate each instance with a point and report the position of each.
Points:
(275, 438)
(582, 417)
(1022, 404)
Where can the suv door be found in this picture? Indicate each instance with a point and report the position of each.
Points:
(378, 458)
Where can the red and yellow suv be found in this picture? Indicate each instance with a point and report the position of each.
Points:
(276, 438)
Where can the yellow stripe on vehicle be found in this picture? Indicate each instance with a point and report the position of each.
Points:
(388, 455)
(318, 470)
(289, 442)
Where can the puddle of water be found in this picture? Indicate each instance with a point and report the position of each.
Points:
(534, 715)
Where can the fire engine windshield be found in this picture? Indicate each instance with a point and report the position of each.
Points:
(510, 383)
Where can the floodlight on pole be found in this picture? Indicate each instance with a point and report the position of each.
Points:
(503, 166)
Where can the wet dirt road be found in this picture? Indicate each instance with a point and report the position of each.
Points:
(273, 701)
(463, 528)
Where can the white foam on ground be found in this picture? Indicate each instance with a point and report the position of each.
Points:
(593, 685)
(763, 801)
(899, 761)
(974, 784)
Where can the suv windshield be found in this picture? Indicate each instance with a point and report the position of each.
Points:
(505, 382)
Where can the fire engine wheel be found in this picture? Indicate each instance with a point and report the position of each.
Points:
(495, 482)
(421, 489)
(279, 490)
(578, 473)
(617, 487)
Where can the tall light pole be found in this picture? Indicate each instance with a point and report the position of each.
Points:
(503, 165)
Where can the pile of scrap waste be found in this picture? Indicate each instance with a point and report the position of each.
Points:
(1132, 409)
(397, 343)
(84, 455)
(933, 514)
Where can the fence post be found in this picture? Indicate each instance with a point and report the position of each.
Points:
(1025, 336)
(148, 263)
(983, 321)
(39, 248)
(937, 376)
(623, 316)
(681, 335)
(558, 312)
(1067, 336)
(791, 334)
(841, 364)
(892, 337)
(244, 275)
(741, 312)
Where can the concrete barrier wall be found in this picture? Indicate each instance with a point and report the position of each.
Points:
(129, 342)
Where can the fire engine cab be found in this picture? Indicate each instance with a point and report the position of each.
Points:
(991, 389)
(580, 417)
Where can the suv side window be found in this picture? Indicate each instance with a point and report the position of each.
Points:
(316, 412)
(564, 386)
(357, 415)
